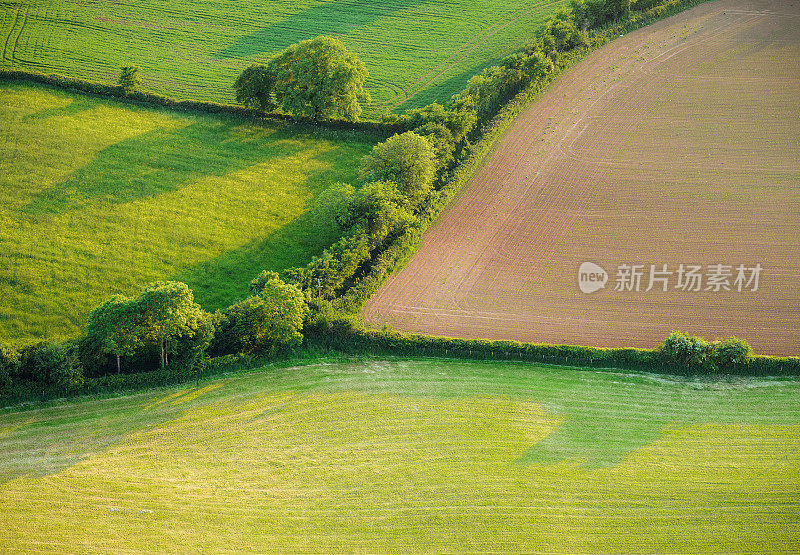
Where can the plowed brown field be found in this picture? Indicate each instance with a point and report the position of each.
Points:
(676, 144)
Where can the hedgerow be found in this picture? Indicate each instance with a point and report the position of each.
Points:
(144, 98)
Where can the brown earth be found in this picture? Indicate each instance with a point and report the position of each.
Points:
(676, 144)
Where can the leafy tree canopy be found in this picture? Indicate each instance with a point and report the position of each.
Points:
(407, 160)
(271, 319)
(318, 78)
(163, 315)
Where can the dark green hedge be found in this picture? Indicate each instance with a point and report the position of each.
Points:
(345, 334)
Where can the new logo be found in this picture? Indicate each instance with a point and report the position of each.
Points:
(591, 277)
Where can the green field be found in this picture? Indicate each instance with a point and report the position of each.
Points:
(416, 51)
(98, 198)
(410, 456)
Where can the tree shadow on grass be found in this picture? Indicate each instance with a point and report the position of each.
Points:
(339, 17)
(221, 281)
(443, 91)
(161, 161)
(77, 106)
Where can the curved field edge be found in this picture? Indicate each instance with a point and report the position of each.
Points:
(442, 329)
(410, 456)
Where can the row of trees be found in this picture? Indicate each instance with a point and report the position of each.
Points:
(395, 180)
(160, 329)
(399, 179)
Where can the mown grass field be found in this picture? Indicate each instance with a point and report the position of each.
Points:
(410, 456)
(416, 51)
(98, 198)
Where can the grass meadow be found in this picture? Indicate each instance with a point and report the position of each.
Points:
(416, 51)
(434, 456)
(98, 198)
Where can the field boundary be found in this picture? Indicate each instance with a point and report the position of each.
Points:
(148, 99)
(348, 338)
(338, 328)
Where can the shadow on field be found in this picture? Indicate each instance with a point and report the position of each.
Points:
(223, 280)
(163, 160)
(441, 92)
(77, 106)
(339, 17)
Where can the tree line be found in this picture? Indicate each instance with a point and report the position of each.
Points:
(163, 328)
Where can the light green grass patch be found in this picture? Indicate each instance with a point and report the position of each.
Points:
(407, 456)
(98, 198)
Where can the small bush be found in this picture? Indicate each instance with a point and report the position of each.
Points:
(731, 355)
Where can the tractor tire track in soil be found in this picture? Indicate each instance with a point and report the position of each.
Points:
(676, 144)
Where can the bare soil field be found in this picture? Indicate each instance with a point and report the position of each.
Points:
(676, 145)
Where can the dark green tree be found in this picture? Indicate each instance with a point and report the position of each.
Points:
(128, 78)
(254, 87)
(318, 78)
(115, 327)
(51, 366)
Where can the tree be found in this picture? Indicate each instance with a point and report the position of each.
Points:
(333, 205)
(52, 365)
(690, 352)
(258, 283)
(407, 160)
(164, 317)
(377, 207)
(128, 78)
(254, 87)
(319, 78)
(167, 312)
(271, 319)
(115, 327)
(730, 354)
(380, 208)
(561, 34)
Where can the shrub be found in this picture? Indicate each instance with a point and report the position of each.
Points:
(690, 353)
(731, 355)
